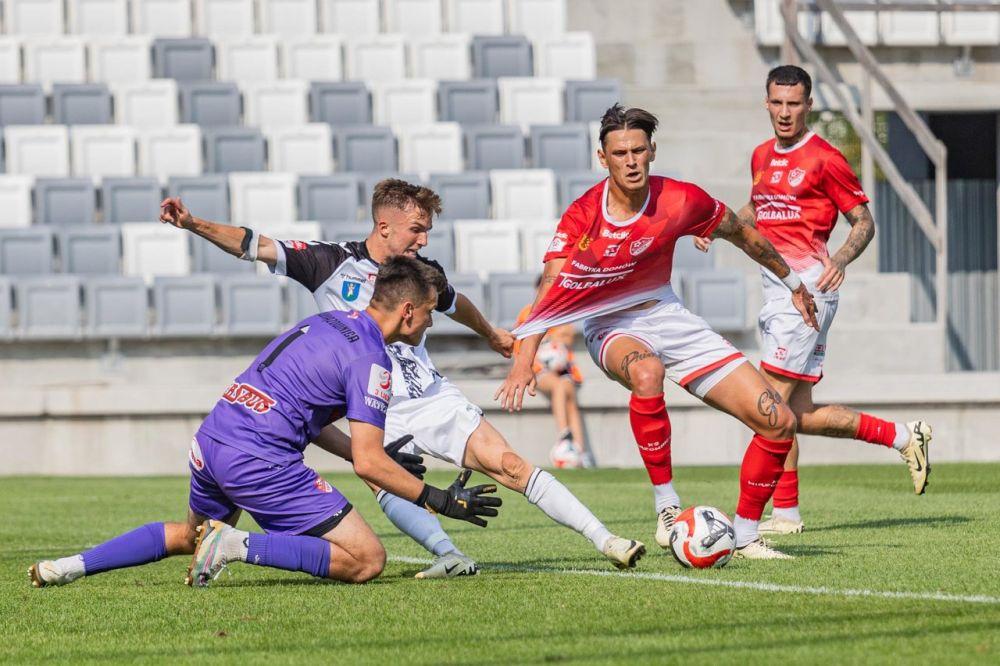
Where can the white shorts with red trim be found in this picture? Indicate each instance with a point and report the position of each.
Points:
(790, 347)
(694, 356)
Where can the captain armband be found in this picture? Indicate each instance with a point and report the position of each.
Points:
(250, 244)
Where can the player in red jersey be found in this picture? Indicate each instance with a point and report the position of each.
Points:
(800, 184)
(609, 264)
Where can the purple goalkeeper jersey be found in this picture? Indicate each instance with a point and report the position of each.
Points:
(330, 365)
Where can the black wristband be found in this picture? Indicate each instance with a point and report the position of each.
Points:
(245, 243)
(433, 499)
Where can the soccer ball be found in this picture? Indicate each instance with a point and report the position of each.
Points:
(564, 455)
(703, 537)
(553, 356)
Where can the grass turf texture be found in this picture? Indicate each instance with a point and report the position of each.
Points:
(864, 531)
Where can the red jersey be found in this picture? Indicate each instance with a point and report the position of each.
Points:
(612, 265)
(797, 193)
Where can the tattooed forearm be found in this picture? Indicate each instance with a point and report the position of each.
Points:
(631, 359)
(747, 238)
(862, 232)
(767, 405)
(748, 215)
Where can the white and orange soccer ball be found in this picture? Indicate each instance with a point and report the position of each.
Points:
(564, 455)
(553, 356)
(703, 537)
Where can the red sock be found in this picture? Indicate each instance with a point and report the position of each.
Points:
(651, 427)
(875, 430)
(762, 466)
(786, 494)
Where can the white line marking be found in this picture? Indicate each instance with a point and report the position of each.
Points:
(744, 585)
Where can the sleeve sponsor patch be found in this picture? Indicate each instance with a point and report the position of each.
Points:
(558, 243)
(380, 383)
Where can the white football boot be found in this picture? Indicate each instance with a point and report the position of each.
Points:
(760, 550)
(449, 565)
(664, 523)
(209, 557)
(623, 553)
(914, 454)
(780, 525)
(56, 572)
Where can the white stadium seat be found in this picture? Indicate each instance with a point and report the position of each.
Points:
(350, 18)
(475, 17)
(150, 103)
(375, 58)
(33, 17)
(530, 101)
(413, 17)
(10, 60)
(150, 250)
(224, 18)
(770, 28)
(162, 18)
(303, 149)
(102, 150)
(441, 57)
(276, 103)
(259, 198)
(288, 18)
(487, 246)
(37, 150)
(407, 102)
(864, 23)
(536, 18)
(595, 143)
(525, 194)
(120, 59)
(313, 58)
(971, 28)
(536, 235)
(170, 151)
(15, 201)
(568, 56)
(97, 17)
(49, 60)
(247, 59)
(301, 231)
(908, 28)
(433, 148)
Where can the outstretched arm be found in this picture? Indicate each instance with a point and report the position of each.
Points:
(467, 314)
(862, 232)
(746, 215)
(224, 236)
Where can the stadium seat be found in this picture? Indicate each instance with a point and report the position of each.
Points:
(350, 17)
(116, 307)
(586, 101)
(971, 28)
(22, 104)
(431, 148)
(259, 198)
(6, 310)
(909, 28)
(469, 285)
(102, 150)
(865, 24)
(251, 305)
(340, 103)
(182, 58)
(463, 195)
(65, 201)
(770, 27)
(568, 56)
(15, 201)
(375, 58)
(536, 18)
(33, 17)
(276, 103)
(91, 250)
(413, 18)
(224, 18)
(508, 294)
(233, 149)
(494, 147)
(48, 307)
(81, 104)
(206, 196)
(689, 258)
(573, 185)
(146, 104)
(345, 231)
(523, 194)
(207, 258)
(125, 59)
(441, 57)
(496, 56)
(487, 247)
(329, 198)
(371, 179)
(475, 17)
(560, 147)
(37, 151)
(441, 246)
(526, 101)
(149, 250)
(250, 59)
(291, 231)
(595, 141)
(301, 303)
(312, 58)
(131, 200)
(288, 18)
(161, 18)
(97, 18)
(468, 102)
(26, 251)
(536, 236)
(409, 102)
(184, 306)
(718, 296)
(365, 149)
(170, 151)
(210, 103)
(10, 60)
(301, 149)
(49, 60)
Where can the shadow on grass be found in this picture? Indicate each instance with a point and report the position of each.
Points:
(880, 523)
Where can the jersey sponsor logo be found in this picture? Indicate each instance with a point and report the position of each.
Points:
(350, 290)
(371, 278)
(776, 177)
(376, 404)
(295, 244)
(611, 250)
(614, 235)
(380, 383)
(589, 282)
(584, 242)
(819, 350)
(602, 269)
(195, 456)
(783, 162)
(558, 243)
(795, 177)
(354, 314)
(250, 397)
(640, 246)
(322, 485)
(778, 210)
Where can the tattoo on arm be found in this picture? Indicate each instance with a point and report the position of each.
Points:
(747, 238)
(631, 359)
(862, 232)
(767, 406)
(748, 215)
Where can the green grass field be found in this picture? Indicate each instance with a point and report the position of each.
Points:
(534, 601)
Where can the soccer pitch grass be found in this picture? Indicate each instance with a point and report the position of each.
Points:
(881, 576)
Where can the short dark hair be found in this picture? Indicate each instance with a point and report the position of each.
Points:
(789, 75)
(403, 278)
(620, 118)
(396, 193)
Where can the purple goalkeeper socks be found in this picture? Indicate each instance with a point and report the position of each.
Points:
(291, 553)
(140, 546)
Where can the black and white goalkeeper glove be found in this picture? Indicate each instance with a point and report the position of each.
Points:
(411, 462)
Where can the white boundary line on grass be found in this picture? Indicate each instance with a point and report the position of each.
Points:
(737, 584)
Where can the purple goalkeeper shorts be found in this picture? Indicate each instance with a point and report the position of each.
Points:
(283, 499)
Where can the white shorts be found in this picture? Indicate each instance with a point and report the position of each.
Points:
(441, 421)
(789, 346)
(694, 356)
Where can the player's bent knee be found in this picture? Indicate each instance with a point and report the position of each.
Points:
(647, 378)
(786, 424)
(515, 469)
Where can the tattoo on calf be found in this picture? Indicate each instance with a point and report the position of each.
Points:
(767, 405)
(631, 359)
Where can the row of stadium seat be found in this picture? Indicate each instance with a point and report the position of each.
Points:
(175, 18)
(132, 59)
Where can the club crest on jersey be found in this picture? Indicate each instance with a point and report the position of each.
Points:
(638, 247)
(776, 177)
(756, 177)
(611, 250)
(558, 243)
(250, 397)
(380, 383)
(322, 485)
(350, 290)
(195, 456)
(584, 242)
(795, 177)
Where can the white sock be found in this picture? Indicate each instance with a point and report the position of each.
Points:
(72, 565)
(902, 436)
(559, 504)
(746, 531)
(789, 512)
(664, 495)
(235, 545)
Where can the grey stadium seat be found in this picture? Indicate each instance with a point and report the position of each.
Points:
(234, 149)
(340, 103)
(468, 102)
(48, 307)
(210, 103)
(719, 296)
(494, 56)
(91, 250)
(183, 58)
(509, 293)
(251, 305)
(81, 104)
(471, 286)
(586, 101)
(131, 199)
(6, 309)
(342, 231)
(301, 303)
(464, 196)
(689, 258)
(573, 185)
(207, 258)
(329, 198)
(494, 147)
(365, 149)
(370, 180)
(64, 201)
(185, 306)
(206, 196)
(560, 147)
(441, 246)
(26, 251)
(22, 104)
(117, 307)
